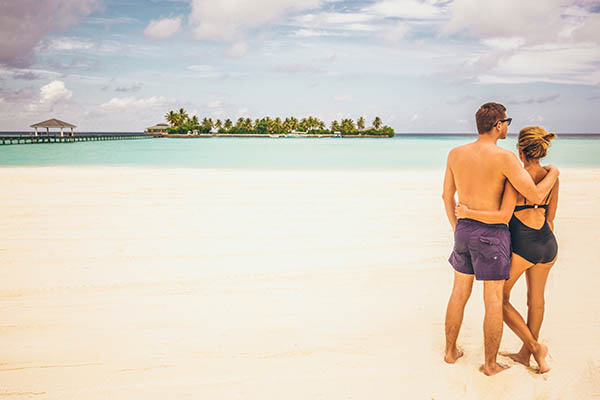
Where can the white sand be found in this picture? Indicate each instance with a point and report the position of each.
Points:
(194, 284)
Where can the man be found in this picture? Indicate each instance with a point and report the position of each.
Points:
(478, 171)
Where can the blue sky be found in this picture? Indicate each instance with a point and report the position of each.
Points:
(421, 65)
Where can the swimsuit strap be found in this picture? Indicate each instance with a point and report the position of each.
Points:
(528, 206)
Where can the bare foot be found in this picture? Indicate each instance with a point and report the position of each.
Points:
(521, 357)
(540, 357)
(494, 369)
(453, 355)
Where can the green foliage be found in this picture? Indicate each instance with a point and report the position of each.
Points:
(181, 123)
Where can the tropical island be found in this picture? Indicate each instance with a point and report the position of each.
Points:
(180, 123)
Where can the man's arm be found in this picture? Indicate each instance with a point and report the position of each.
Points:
(552, 205)
(524, 184)
(448, 195)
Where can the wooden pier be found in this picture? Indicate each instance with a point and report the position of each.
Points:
(32, 139)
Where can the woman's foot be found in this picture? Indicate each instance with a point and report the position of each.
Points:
(540, 353)
(522, 357)
(453, 355)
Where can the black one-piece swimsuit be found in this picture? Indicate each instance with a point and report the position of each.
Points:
(534, 245)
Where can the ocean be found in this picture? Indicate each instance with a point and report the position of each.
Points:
(400, 152)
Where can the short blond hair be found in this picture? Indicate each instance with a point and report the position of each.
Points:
(534, 141)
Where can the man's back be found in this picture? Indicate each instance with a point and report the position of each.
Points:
(477, 171)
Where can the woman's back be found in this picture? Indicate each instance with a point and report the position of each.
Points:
(533, 217)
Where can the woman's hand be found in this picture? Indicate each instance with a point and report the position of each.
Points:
(461, 211)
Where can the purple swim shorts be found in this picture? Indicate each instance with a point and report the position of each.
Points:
(482, 249)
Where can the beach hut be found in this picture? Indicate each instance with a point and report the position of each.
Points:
(53, 123)
(158, 128)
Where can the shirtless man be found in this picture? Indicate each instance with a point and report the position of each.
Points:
(478, 171)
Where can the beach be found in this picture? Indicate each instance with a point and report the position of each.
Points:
(154, 283)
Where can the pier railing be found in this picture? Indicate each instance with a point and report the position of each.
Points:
(27, 138)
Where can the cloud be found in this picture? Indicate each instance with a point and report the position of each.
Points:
(408, 9)
(122, 103)
(460, 100)
(24, 23)
(26, 76)
(163, 28)
(204, 71)
(238, 50)
(296, 69)
(228, 20)
(53, 92)
(537, 100)
(127, 89)
(342, 98)
(215, 104)
(589, 30)
(67, 44)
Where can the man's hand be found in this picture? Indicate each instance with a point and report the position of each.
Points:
(551, 167)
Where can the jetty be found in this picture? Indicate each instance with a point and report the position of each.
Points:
(70, 137)
(29, 138)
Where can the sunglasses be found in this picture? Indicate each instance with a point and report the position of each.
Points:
(507, 120)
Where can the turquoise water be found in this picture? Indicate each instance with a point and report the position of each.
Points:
(288, 153)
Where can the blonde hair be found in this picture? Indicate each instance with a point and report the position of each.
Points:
(534, 141)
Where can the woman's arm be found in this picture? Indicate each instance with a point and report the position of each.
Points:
(502, 216)
(552, 206)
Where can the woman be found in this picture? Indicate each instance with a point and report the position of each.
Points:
(533, 243)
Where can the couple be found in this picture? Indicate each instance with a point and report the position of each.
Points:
(490, 181)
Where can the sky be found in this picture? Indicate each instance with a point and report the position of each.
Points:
(423, 66)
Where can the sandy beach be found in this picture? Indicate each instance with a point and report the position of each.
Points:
(127, 283)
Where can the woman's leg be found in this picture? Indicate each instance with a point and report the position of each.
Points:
(536, 285)
(516, 322)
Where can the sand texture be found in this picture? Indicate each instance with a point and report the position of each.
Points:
(141, 283)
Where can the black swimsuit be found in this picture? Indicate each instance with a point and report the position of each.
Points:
(534, 245)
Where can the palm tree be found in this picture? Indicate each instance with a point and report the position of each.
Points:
(348, 126)
(183, 117)
(194, 121)
(335, 126)
(377, 122)
(227, 124)
(171, 118)
(218, 124)
(294, 123)
(360, 123)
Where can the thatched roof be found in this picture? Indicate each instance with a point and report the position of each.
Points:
(53, 123)
(159, 126)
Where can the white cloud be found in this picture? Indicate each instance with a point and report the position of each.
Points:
(163, 28)
(53, 92)
(215, 104)
(589, 30)
(342, 98)
(204, 71)
(409, 9)
(230, 19)
(396, 33)
(305, 33)
(67, 43)
(119, 103)
(242, 112)
(24, 23)
(238, 50)
(534, 21)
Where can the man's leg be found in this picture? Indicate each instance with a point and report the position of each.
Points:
(463, 283)
(492, 325)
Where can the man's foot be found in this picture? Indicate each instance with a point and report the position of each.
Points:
(522, 357)
(540, 357)
(494, 369)
(453, 355)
